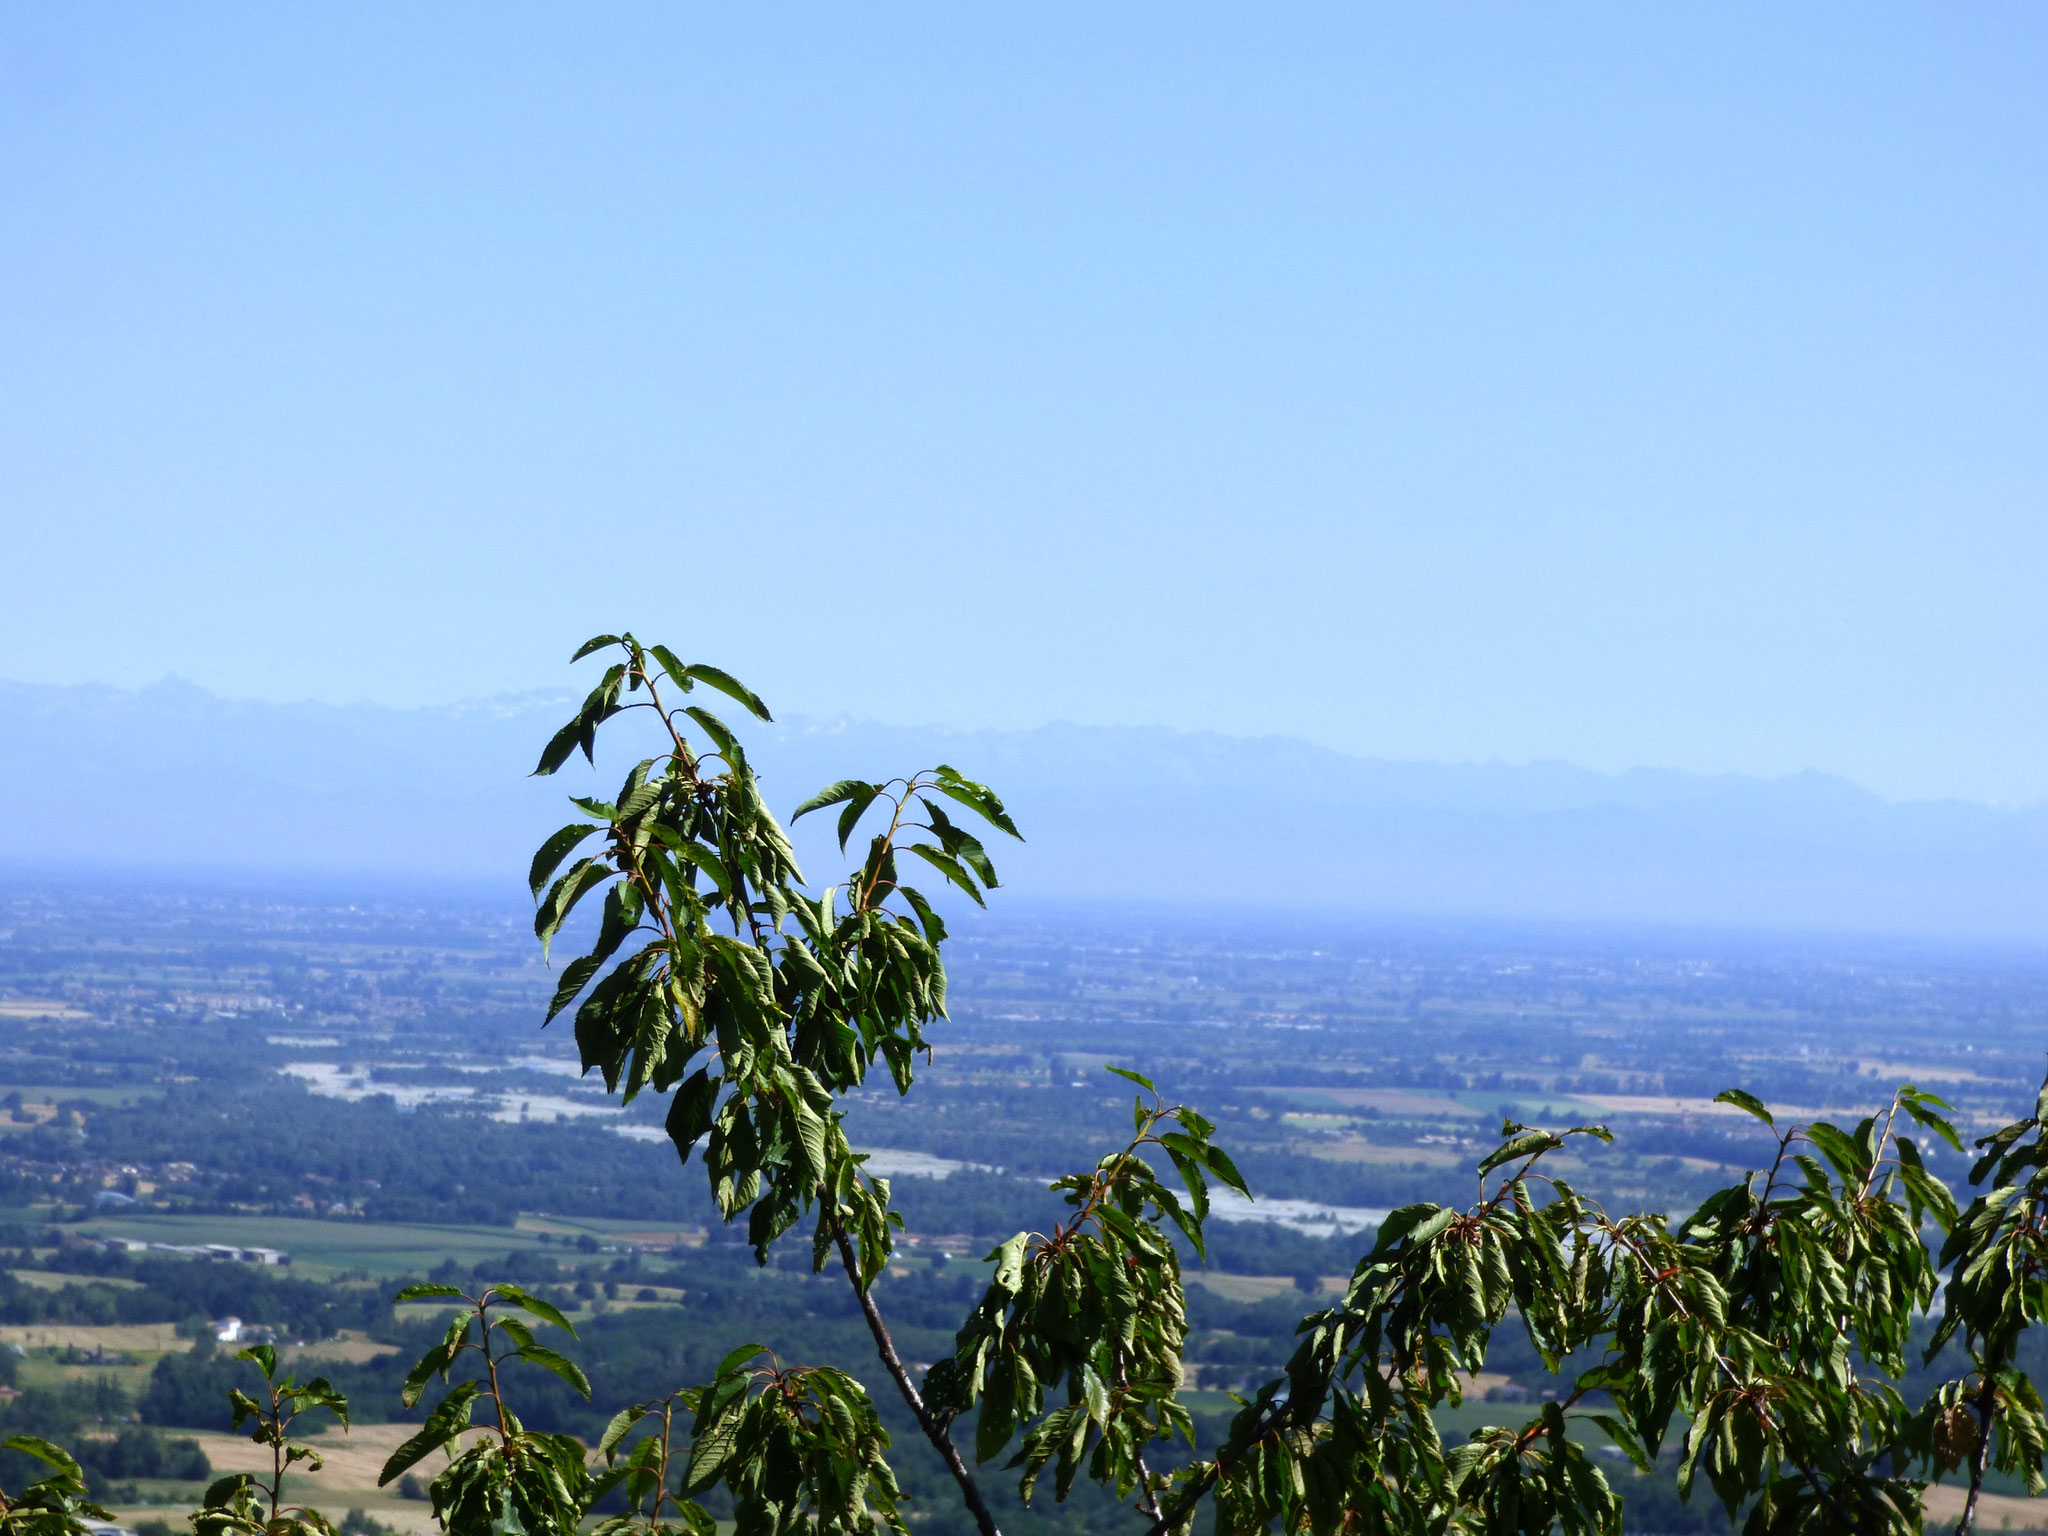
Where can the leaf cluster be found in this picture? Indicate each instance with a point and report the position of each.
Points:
(1765, 1332)
(1097, 1307)
(797, 1449)
(508, 1478)
(241, 1504)
(716, 977)
(56, 1505)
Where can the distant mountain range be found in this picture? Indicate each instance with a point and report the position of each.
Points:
(172, 775)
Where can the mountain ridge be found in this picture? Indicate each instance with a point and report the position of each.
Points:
(174, 774)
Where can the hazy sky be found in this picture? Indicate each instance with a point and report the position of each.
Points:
(1639, 384)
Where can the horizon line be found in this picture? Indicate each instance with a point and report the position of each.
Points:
(538, 695)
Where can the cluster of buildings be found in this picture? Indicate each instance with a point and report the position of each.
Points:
(228, 1252)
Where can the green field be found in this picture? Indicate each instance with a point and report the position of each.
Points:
(59, 1093)
(323, 1249)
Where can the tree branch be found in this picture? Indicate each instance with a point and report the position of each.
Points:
(1148, 1496)
(935, 1430)
(1184, 1508)
(1987, 1407)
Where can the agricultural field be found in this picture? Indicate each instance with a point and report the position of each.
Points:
(366, 1089)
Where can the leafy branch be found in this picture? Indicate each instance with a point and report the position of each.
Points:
(243, 1505)
(513, 1477)
(1772, 1321)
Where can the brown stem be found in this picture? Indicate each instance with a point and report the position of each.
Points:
(491, 1365)
(1771, 1180)
(277, 1455)
(1531, 1431)
(910, 788)
(1148, 1499)
(1488, 1207)
(668, 1413)
(1870, 1174)
(1105, 1179)
(935, 1430)
(1987, 1405)
(1197, 1491)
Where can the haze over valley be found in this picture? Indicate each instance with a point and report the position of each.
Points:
(172, 777)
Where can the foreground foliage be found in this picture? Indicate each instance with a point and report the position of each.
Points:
(1762, 1335)
(1765, 1329)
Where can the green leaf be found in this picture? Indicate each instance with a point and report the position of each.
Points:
(1836, 1146)
(1746, 1101)
(677, 672)
(433, 1363)
(731, 1364)
(810, 1132)
(948, 866)
(721, 738)
(561, 1365)
(1220, 1164)
(1625, 1438)
(48, 1454)
(427, 1290)
(707, 860)
(689, 1112)
(960, 843)
(561, 900)
(551, 853)
(546, 1311)
(1916, 1106)
(575, 977)
(732, 688)
(322, 1393)
(832, 794)
(1417, 1223)
(264, 1358)
(614, 1432)
(220, 1493)
(447, 1421)
(856, 808)
(978, 798)
(1125, 1073)
(1528, 1144)
(595, 643)
(563, 742)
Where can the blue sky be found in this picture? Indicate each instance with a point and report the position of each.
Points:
(1622, 384)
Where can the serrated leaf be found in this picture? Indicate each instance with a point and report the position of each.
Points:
(43, 1451)
(831, 794)
(548, 858)
(546, 1311)
(1527, 1144)
(1746, 1101)
(689, 1112)
(732, 688)
(427, 1291)
(447, 1421)
(561, 1365)
(614, 1432)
